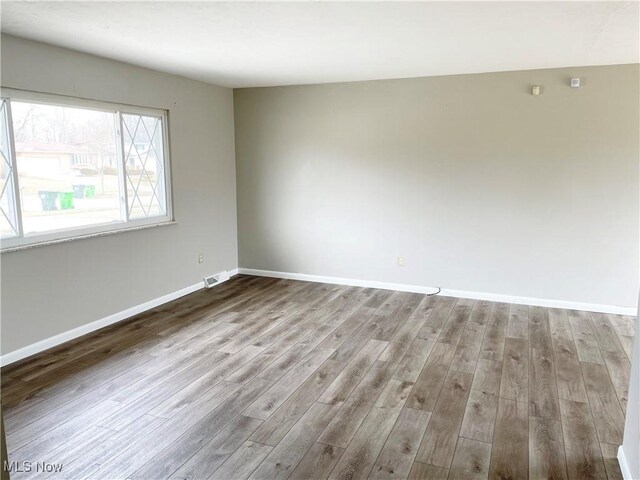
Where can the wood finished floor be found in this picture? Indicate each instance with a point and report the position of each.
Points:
(264, 378)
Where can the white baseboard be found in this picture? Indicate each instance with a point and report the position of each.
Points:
(492, 297)
(624, 466)
(51, 342)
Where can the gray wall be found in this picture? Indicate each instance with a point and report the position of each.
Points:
(480, 185)
(49, 290)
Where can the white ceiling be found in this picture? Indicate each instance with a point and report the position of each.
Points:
(240, 44)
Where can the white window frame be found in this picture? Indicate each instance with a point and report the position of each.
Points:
(62, 235)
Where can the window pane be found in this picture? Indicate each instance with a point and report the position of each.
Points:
(8, 218)
(67, 166)
(144, 160)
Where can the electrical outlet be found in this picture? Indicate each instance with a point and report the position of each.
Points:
(201, 258)
(401, 261)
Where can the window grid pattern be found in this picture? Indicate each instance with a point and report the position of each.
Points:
(9, 218)
(144, 167)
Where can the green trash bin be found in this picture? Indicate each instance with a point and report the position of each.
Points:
(48, 200)
(89, 191)
(66, 200)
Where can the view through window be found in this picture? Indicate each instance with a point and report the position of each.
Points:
(67, 168)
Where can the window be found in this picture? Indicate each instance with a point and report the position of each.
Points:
(73, 167)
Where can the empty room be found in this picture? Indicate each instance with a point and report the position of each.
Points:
(319, 240)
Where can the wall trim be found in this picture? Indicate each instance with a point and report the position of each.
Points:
(624, 466)
(56, 340)
(493, 297)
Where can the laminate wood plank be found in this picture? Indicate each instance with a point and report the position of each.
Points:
(284, 457)
(73, 449)
(414, 360)
(348, 349)
(584, 457)
(425, 309)
(471, 460)
(197, 332)
(584, 338)
(274, 361)
(515, 370)
(546, 449)
(427, 388)
(610, 458)
(21, 432)
(347, 328)
(539, 329)
(518, 324)
(422, 471)
(404, 336)
(468, 351)
(570, 384)
(315, 336)
(619, 370)
(243, 462)
(46, 413)
(283, 388)
(170, 445)
(326, 291)
(359, 457)
(509, 455)
(195, 363)
(155, 396)
(306, 320)
(349, 378)
(72, 366)
(623, 325)
(179, 358)
(605, 408)
(285, 416)
(378, 298)
(253, 310)
(606, 336)
(235, 342)
(179, 400)
(493, 342)
(349, 418)
(346, 304)
(282, 364)
(559, 324)
(480, 413)
(437, 318)
(439, 442)
(318, 462)
(452, 330)
(392, 304)
(389, 328)
(397, 455)
(214, 453)
(40, 445)
(116, 444)
(543, 390)
(627, 345)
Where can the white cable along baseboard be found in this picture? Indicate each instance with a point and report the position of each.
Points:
(56, 340)
(492, 297)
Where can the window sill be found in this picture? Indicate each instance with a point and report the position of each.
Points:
(46, 243)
